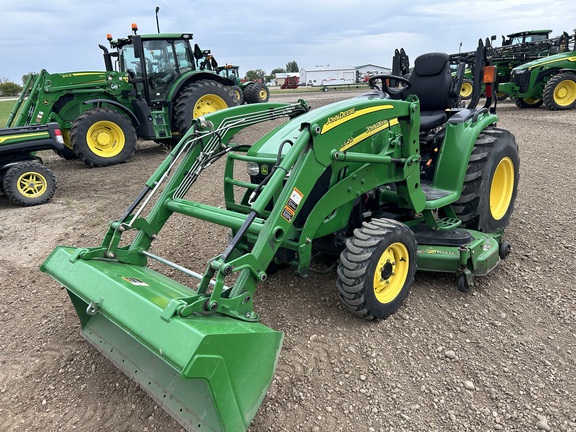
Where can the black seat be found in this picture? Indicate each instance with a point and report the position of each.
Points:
(431, 80)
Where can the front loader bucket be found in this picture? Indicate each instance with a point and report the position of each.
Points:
(210, 372)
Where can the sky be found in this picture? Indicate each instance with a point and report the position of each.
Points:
(63, 35)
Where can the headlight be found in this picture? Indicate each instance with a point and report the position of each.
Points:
(253, 168)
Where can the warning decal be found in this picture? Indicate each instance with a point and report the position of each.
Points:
(135, 281)
(292, 205)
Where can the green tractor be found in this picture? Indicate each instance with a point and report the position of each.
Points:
(517, 49)
(550, 81)
(246, 91)
(385, 184)
(161, 85)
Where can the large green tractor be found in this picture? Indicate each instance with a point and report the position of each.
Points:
(246, 91)
(550, 81)
(159, 86)
(517, 49)
(384, 184)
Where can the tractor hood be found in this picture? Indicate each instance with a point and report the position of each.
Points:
(562, 57)
(320, 119)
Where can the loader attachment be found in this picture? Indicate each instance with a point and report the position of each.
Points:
(210, 372)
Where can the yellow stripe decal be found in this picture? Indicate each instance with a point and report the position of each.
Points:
(370, 130)
(350, 114)
(29, 135)
(571, 59)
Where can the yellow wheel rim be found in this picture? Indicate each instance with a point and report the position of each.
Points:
(66, 138)
(105, 139)
(262, 94)
(565, 93)
(32, 184)
(532, 101)
(237, 94)
(502, 188)
(208, 104)
(466, 89)
(391, 272)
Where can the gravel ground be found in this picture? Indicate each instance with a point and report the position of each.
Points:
(498, 358)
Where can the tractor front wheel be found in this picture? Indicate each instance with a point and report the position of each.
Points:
(491, 182)
(560, 92)
(198, 99)
(29, 184)
(377, 268)
(528, 102)
(102, 137)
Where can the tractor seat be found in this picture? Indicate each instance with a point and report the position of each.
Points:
(431, 80)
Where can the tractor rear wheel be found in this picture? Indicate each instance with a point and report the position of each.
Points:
(528, 102)
(29, 183)
(198, 99)
(467, 89)
(102, 137)
(560, 92)
(256, 93)
(491, 182)
(377, 268)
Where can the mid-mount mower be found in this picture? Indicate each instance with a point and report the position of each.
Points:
(393, 181)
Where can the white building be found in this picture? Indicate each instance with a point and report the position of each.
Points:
(369, 70)
(327, 75)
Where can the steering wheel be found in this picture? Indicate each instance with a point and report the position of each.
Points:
(385, 81)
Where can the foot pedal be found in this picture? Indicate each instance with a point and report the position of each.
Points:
(448, 223)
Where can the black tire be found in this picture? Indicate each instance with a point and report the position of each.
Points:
(251, 93)
(29, 184)
(560, 92)
(67, 152)
(467, 89)
(491, 182)
(198, 99)
(501, 96)
(528, 103)
(102, 137)
(377, 268)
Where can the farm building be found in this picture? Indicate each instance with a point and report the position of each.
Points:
(327, 75)
(369, 70)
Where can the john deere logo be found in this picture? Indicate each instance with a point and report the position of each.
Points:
(264, 170)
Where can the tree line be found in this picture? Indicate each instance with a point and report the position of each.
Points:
(260, 75)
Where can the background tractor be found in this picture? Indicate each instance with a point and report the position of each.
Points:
(384, 184)
(160, 85)
(550, 81)
(246, 91)
(517, 49)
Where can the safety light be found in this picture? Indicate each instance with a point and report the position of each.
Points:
(58, 136)
(489, 74)
(109, 37)
(134, 27)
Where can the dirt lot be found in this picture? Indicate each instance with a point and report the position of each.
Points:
(499, 358)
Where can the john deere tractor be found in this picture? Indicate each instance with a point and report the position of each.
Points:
(550, 81)
(517, 49)
(246, 91)
(384, 184)
(160, 85)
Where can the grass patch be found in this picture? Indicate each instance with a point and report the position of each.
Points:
(5, 108)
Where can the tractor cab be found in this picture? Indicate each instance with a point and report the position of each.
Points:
(155, 61)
